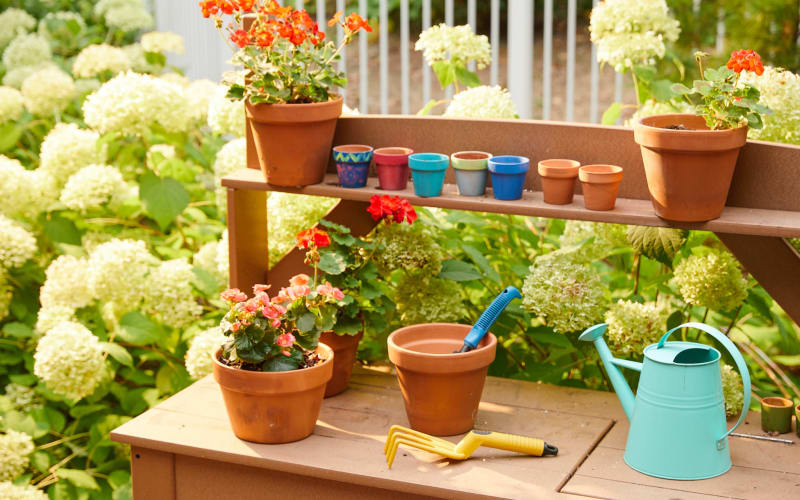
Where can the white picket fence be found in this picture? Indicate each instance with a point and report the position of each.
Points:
(207, 54)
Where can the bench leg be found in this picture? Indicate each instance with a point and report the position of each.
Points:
(152, 474)
(247, 238)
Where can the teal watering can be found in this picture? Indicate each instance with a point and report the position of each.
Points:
(677, 418)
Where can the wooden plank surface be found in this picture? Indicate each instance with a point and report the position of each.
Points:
(627, 211)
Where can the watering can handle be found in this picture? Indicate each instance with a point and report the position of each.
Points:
(740, 365)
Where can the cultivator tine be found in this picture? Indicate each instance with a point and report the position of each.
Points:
(402, 435)
(399, 430)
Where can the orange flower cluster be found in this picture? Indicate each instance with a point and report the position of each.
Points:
(212, 7)
(353, 22)
(748, 60)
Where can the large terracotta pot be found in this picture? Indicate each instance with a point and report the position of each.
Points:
(441, 389)
(293, 141)
(274, 407)
(689, 171)
(345, 348)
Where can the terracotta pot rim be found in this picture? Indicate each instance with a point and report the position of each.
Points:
(600, 173)
(353, 148)
(308, 105)
(265, 375)
(425, 362)
(294, 114)
(702, 140)
(559, 168)
(646, 120)
(777, 402)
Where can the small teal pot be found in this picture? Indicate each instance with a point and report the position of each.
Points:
(427, 173)
(352, 164)
(471, 171)
(508, 176)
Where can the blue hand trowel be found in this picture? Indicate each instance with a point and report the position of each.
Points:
(488, 318)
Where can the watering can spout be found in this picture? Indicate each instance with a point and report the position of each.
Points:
(624, 393)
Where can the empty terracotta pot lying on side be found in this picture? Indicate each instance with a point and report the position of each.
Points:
(558, 180)
(600, 185)
(274, 407)
(345, 348)
(441, 389)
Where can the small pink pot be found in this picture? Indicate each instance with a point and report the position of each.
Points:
(392, 167)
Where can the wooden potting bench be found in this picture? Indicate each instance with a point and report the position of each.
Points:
(184, 447)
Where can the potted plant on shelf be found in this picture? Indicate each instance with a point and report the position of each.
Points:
(272, 369)
(346, 262)
(288, 90)
(689, 159)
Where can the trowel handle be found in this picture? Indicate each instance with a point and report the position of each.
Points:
(740, 365)
(490, 315)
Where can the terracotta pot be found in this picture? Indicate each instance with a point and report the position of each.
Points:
(345, 348)
(600, 185)
(293, 140)
(688, 172)
(776, 415)
(391, 164)
(441, 389)
(274, 407)
(558, 180)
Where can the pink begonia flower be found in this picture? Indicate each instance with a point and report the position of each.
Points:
(235, 327)
(285, 340)
(276, 323)
(300, 279)
(273, 311)
(326, 290)
(293, 292)
(250, 307)
(260, 288)
(234, 295)
(262, 298)
(286, 353)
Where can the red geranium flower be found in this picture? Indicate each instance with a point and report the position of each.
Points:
(392, 208)
(241, 38)
(746, 60)
(317, 237)
(354, 22)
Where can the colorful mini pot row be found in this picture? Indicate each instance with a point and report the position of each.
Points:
(472, 168)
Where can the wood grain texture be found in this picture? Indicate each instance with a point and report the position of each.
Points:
(247, 237)
(627, 211)
(153, 474)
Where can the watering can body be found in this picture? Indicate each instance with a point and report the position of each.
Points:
(677, 417)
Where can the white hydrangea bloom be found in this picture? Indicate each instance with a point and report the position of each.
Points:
(779, 91)
(17, 244)
(94, 186)
(442, 42)
(138, 59)
(175, 78)
(17, 191)
(287, 215)
(11, 491)
(65, 284)
(14, 450)
(11, 104)
(166, 151)
(163, 41)
(632, 326)
(226, 116)
(27, 49)
(22, 398)
(67, 148)
(130, 103)
(64, 15)
(15, 77)
(98, 59)
(69, 360)
(13, 22)
(48, 91)
(5, 294)
(632, 32)
(84, 86)
(47, 190)
(712, 280)
(200, 93)
(206, 259)
(52, 315)
(168, 294)
(107, 263)
(230, 158)
(199, 361)
(732, 390)
(482, 102)
(126, 15)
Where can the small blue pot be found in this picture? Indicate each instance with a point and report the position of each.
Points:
(508, 176)
(352, 164)
(427, 172)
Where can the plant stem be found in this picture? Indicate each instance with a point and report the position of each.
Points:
(638, 259)
(636, 88)
(745, 346)
(62, 440)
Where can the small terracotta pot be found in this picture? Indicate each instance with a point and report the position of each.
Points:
(391, 164)
(776, 415)
(345, 348)
(441, 389)
(558, 180)
(600, 185)
(274, 407)
(688, 172)
(352, 164)
(293, 140)
(471, 169)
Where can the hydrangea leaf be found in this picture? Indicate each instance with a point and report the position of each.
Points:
(456, 270)
(9, 135)
(478, 258)
(17, 330)
(61, 230)
(164, 199)
(658, 243)
(79, 478)
(117, 352)
(138, 330)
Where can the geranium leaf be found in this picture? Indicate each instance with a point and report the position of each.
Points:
(163, 199)
(657, 243)
(332, 263)
(306, 322)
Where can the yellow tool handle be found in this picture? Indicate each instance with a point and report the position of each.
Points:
(512, 442)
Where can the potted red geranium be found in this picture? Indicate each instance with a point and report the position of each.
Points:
(272, 369)
(689, 159)
(290, 73)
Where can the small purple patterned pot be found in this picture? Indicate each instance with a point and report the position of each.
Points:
(352, 164)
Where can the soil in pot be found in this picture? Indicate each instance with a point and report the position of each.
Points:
(441, 389)
(558, 180)
(391, 164)
(274, 407)
(471, 169)
(600, 185)
(345, 348)
(352, 164)
(688, 167)
(293, 140)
